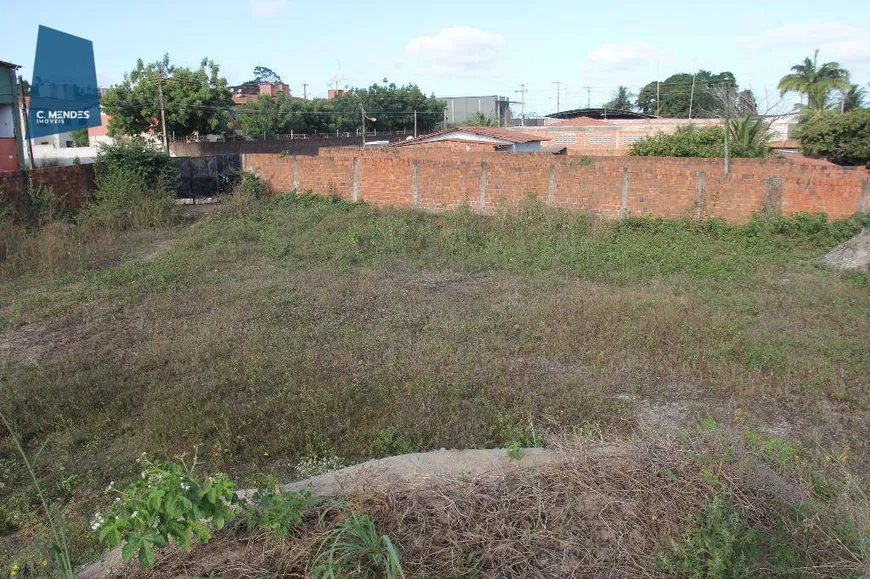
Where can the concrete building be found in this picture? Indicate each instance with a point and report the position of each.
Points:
(11, 134)
(249, 91)
(461, 110)
(486, 139)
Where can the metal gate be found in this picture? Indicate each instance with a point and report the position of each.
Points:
(207, 176)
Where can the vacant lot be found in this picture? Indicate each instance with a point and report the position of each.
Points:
(295, 327)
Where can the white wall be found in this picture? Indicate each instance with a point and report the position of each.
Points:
(65, 155)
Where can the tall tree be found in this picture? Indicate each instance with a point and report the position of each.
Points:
(265, 75)
(621, 99)
(854, 98)
(815, 82)
(392, 106)
(196, 100)
(677, 97)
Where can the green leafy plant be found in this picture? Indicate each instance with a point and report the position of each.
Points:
(80, 138)
(840, 138)
(514, 450)
(721, 544)
(60, 549)
(391, 441)
(250, 185)
(167, 503)
(749, 135)
(275, 511)
(354, 548)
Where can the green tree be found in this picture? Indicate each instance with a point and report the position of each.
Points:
(265, 75)
(854, 98)
(746, 103)
(80, 138)
(481, 120)
(197, 101)
(840, 138)
(621, 99)
(676, 96)
(815, 82)
(392, 106)
(261, 118)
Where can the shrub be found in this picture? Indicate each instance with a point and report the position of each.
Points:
(135, 188)
(251, 186)
(747, 138)
(167, 503)
(840, 138)
(153, 167)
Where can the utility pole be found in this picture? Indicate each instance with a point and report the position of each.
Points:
(364, 117)
(588, 96)
(522, 92)
(692, 95)
(558, 93)
(727, 126)
(162, 112)
(26, 130)
(415, 124)
(658, 108)
(305, 90)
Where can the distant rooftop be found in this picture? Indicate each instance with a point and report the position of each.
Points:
(601, 113)
(506, 135)
(9, 65)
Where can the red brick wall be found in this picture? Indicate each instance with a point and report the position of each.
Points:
(73, 180)
(458, 146)
(609, 186)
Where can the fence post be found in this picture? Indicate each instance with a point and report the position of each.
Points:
(862, 201)
(551, 185)
(415, 191)
(356, 179)
(699, 197)
(482, 186)
(295, 173)
(623, 208)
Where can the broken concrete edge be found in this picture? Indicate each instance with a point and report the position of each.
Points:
(404, 472)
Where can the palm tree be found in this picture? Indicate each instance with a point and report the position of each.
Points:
(621, 100)
(853, 98)
(808, 78)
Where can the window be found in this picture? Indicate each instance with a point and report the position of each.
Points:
(600, 140)
(631, 139)
(569, 139)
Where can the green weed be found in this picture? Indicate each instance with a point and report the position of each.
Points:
(721, 544)
(354, 548)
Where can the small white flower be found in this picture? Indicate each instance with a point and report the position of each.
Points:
(117, 499)
(185, 487)
(97, 522)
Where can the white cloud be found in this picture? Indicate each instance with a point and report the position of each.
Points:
(625, 56)
(266, 8)
(835, 40)
(458, 51)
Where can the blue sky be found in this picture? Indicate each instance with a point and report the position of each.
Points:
(460, 47)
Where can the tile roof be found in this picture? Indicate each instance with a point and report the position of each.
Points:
(508, 135)
(581, 122)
